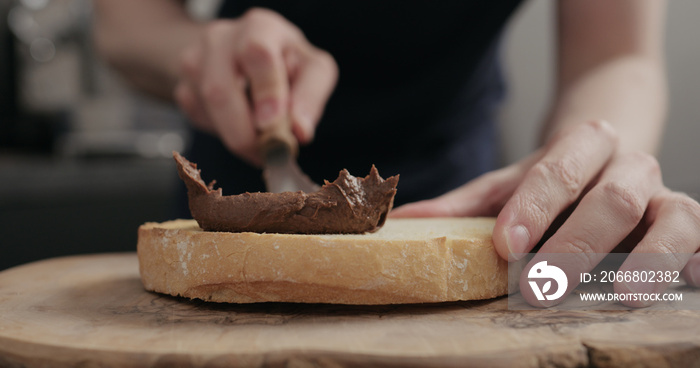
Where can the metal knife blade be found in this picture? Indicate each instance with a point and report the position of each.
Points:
(281, 172)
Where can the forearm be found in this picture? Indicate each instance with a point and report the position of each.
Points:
(143, 41)
(628, 92)
(610, 65)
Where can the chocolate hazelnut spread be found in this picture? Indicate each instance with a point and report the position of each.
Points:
(348, 205)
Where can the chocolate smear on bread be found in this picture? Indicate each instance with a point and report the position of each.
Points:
(348, 205)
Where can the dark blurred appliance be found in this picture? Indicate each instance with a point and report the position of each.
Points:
(58, 97)
(9, 107)
(25, 43)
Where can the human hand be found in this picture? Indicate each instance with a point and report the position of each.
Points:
(245, 75)
(599, 197)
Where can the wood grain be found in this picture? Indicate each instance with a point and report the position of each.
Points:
(93, 311)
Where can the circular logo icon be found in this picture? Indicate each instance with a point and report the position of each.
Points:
(541, 270)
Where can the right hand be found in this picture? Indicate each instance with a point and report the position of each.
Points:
(244, 75)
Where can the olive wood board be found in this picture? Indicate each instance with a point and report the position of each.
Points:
(92, 311)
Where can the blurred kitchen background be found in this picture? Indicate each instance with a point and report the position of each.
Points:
(84, 161)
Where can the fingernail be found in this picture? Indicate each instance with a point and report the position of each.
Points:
(694, 275)
(265, 112)
(628, 289)
(308, 131)
(305, 125)
(640, 287)
(517, 241)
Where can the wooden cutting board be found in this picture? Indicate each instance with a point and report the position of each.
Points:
(92, 311)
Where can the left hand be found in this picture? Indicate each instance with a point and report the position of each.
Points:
(599, 195)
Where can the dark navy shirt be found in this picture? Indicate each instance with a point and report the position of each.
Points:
(417, 93)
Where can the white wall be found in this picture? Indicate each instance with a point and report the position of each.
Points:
(528, 58)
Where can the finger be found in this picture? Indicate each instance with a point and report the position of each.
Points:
(190, 103)
(261, 62)
(551, 185)
(691, 272)
(223, 94)
(191, 63)
(668, 245)
(603, 218)
(185, 94)
(483, 196)
(313, 78)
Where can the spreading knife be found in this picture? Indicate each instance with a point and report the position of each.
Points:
(280, 148)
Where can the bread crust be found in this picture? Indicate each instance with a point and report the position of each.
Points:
(407, 261)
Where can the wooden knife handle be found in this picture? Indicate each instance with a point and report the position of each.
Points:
(277, 135)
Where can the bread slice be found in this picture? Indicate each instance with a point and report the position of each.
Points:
(406, 261)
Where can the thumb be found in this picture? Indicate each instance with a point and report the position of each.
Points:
(471, 199)
(312, 83)
(437, 207)
(483, 196)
